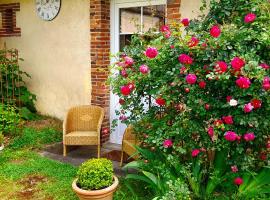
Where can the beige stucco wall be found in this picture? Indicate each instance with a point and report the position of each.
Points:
(191, 8)
(56, 54)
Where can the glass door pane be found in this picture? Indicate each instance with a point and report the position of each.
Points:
(153, 17)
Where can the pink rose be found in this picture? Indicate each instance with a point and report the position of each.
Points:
(228, 98)
(185, 59)
(210, 131)
(191, 78)
(128, 61)
(264, 66)
(167, 34)
(167, 143)
(131, 86)
(238, 181)
(249, 137)
(243, 82)
(151, 52)
(248, 108)
(266, 83)
(202, 84)
(185, 21)
(124, 73)
(237, 63)
(221, 67)
(144, 69)
(249, 18)
(230, 136)
(123, 117)
(228, 119)
(165, 28)
(215, 31)
(183, 70)
(125, 90)
(193, 42)
(160, 101)
(234, 168)
(195, 152)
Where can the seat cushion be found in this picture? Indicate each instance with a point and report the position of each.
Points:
(81, 138)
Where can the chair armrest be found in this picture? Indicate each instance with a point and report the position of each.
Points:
(128, 135)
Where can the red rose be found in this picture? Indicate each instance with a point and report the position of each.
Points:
(124, 73)
(195, 152)
(185, 59)
(221, 67)
(264, 66)
(151, 52)
(228, 119)
(215, 31)
(185, 21)
(237, 63)
(131, 86)
(121, 101)
(193, 42)
(243, 82)
(256, 103)
(125, 90)
(191, 78)
(202, 84)
(238, 181)
(160, 101)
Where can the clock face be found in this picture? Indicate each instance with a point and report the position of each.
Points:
(48, 9)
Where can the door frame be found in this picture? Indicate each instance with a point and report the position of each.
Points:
(114, 44)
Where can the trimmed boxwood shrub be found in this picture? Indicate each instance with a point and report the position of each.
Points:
(95, 174)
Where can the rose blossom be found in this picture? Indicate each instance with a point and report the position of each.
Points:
(215, 31)
(182, 70)
(233, 102)
(195, 152)
(164, 28)
(266, 83)
(248, 108)
(167, 143)
(228, 98)
(123, 117)
(128, 61)
(125, 90)
(249, 18)
(263, 156)
(228, 119)
(249, 137)
(131, 86)
(185, 59)
(218, 122)
(221, 67)
(210, 131)
(185, 21)
(191, 78)
(193, 42)
(230, 136)
(144, 69)
(151, 52)
(234, 168)
(264, 66)
(160, 101)
(121, 101)
(124, 73)
(202, 84)
(238, 181)
(243, 82)
(237, 63)
(256, 103)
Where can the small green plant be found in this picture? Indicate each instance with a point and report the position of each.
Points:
(95, 174)
(1, 138)
(9, 119)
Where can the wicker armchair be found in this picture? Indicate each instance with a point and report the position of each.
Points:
(82, 126)
(128, 143)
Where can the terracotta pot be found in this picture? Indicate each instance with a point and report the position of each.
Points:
(103, 194)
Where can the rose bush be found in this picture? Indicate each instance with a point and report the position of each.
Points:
(202, 94)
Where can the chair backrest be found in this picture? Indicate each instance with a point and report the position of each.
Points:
(84, 118)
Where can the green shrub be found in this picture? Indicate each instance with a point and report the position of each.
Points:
(9, 119)
(1, 138)
(95, 174)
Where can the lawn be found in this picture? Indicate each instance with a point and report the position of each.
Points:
(25, 174)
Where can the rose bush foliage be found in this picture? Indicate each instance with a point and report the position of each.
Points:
(206, 90)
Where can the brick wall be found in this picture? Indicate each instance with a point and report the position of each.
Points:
(100, 57)
(8, 13)
(100, 53)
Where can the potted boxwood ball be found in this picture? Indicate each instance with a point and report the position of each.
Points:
(1, 141)
(95, 180)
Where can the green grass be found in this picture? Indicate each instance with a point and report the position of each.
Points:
(32, 138)
(16, 165)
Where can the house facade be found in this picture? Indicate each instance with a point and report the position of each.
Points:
(68, 56)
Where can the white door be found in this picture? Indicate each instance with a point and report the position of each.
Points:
(127, 17)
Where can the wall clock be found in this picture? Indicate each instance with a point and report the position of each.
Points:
(48, 9)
